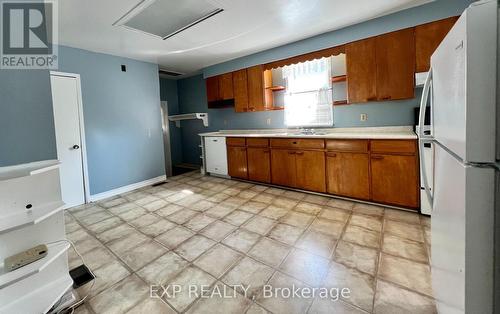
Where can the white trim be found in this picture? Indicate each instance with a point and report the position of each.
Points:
(127, 188)
(83, 143)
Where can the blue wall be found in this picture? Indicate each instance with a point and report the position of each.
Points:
(121, 114)
(26, 118)
(192, 94)
(192, 98)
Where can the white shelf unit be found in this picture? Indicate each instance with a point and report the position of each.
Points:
(28, 169)
(203, 116)
(30, 217)
(54, 251)
(31, 213)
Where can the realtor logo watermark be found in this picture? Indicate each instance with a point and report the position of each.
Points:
(165, 292)
(29, 35)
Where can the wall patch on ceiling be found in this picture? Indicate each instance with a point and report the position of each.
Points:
(167, 18)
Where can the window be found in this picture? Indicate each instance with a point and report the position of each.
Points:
(308, 95)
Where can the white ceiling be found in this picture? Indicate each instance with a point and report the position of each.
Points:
(245, 27)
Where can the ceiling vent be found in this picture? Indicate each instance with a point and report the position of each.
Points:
(169, 73)
(166, 18)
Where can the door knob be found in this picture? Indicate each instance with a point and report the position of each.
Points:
(76, 147)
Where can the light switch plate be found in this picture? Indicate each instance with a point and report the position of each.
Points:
(268, 121)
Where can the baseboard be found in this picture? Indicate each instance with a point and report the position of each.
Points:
(127, 188)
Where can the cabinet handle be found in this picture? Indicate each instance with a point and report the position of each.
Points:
(331, 155)
(294, 142)
(215, 140)
(378, 157)
(251, 108)
(386, 98)
(371, 98)
(300, 153)
(266, 151)
(291, 153)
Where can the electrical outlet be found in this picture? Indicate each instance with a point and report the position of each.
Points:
(268, 121)
(363, 117)
(225, 122)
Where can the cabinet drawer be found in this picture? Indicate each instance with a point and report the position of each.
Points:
(393, 146)
(257, 142)
(298, 143)
(360, 146)
(235, 141)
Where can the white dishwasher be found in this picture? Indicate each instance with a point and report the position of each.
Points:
(216, 155)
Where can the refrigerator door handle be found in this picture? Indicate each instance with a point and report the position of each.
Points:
(421, 135)
(425, 179)
(423, 105)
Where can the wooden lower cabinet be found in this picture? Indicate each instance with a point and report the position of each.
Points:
(382, 171)
(310, 170)
(283, 167)
(237, 162)
(348, 174)
(299, 169)
(394, 179)
(259, 164)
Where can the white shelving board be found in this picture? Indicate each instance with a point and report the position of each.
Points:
(20, 220)
(53, 252)
(29, 169)
(189, 116)
(32, 302)
(31, 213)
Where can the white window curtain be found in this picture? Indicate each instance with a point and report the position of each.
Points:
(308, 96)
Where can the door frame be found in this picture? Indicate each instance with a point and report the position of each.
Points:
(83, 144)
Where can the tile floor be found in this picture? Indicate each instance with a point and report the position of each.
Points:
(198, 230)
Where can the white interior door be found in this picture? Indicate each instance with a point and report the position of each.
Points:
(65, 102)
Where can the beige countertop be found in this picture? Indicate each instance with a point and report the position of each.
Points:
(393, 132)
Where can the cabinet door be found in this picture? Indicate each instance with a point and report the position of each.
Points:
(237, 162)
(240, 90)
(259, 164)
(311, 170)
(348, 174)
(396, 65)
(212, 88)
(395, 180)
(255, 77)
(361, 71)
(226, 86)
(283, 170)
(427, 39)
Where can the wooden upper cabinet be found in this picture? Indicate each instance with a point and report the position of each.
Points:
(361, 71)
(396, 65)
(427, 39)
(283, 170)
(394, 179)
(259, 164)
(212, 88)
(310, 170)
(255, 77)
(240, 87)
(348, 174)
(226, 86)
(237, 162)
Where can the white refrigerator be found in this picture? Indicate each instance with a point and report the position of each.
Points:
(462, 88)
